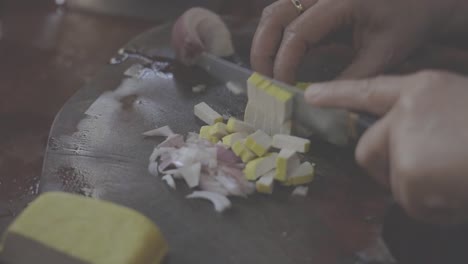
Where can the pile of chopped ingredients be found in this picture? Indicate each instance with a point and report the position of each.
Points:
(236, 158)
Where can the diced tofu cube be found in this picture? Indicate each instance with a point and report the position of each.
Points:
(235, 125)
(259, 142)
(286, 162)
(205, 134)
(218, 130)
(266, 183)
(259, 167)
(207, 114)
(242, 151)
(231, 139)
(297, 144)
(302, 175)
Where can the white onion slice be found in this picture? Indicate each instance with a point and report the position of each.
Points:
(300, 191)
(169, 180)
(191, 174)
(219, 201)
(153, 168)
(173, 141)
(164, 131)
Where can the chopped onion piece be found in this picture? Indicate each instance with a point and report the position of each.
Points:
(300, 191)
(234, 88)
(173, 141)
(169, 180)
(153, 168)
(164, 131)
(191, 174)
(219, 201)
(157, 152)
(199, 88)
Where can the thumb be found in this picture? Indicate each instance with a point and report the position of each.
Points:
(376, 95)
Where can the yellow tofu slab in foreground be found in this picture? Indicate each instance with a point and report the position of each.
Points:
(72, 229)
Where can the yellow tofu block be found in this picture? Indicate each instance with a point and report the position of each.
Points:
(286, 162)
(231, 139)
(259, 167)
(255, 79)
(266, 183)
(67, 228)
(242, 151)
(218, 130)
(235, 125)
(259, 143)
(301, 145)
(205, 133)
(247, 156)
(302, 175)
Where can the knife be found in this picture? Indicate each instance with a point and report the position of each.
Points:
(337, 126)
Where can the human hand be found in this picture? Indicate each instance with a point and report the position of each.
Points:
(383, 32)
(419, 147)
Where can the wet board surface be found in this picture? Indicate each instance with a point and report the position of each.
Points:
(96, 149)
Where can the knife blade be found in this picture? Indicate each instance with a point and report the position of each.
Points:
(337, 126)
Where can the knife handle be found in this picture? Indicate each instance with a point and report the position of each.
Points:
(359, 123)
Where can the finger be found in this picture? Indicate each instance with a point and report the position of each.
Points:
(376, 95)
(308, 30)
(268, 36)
(372, 151)
(378, 54)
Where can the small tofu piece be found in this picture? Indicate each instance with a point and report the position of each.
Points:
(259, 142)
(259, 167)
(243, 152)
(205, 134)
(302, 175)
(231, 139)
(234, 125)
(218, 130)
(207, 114)
(266, 183)
(286, 162)
(297, 144)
